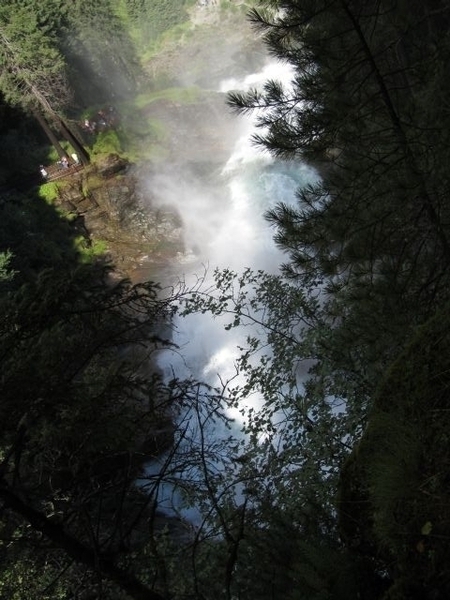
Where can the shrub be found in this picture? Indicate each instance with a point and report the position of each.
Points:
(107, 142)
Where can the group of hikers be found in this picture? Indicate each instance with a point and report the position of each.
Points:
(103, 119)
(62, 164)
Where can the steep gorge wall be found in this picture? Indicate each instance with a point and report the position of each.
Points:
(109, 205)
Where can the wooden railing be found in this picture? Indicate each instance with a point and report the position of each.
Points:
(55, 172)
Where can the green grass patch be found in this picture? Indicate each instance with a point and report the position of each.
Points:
(89, 250)
(49, 192)
(107, 142)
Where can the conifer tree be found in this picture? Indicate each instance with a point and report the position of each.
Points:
(32, 71)
(375, 229)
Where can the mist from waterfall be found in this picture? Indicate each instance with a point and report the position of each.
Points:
(224, 225)
(223, 222)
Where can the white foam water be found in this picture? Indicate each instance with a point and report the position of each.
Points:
(224, 227)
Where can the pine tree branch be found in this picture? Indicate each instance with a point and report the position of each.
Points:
(76, 549)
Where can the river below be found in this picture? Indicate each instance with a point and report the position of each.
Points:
(220, 186)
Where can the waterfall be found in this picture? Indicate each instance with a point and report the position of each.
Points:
(224, 226)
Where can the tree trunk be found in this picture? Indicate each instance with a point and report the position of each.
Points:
(81, 151)
(51, 136)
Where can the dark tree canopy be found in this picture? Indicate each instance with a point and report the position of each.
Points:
(367, 105)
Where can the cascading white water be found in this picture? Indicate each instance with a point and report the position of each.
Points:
(224, 227)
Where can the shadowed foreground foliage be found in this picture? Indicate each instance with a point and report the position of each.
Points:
(395, 494)
(78, 413)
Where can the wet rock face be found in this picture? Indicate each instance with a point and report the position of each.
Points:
(111, 165)
(111, 206)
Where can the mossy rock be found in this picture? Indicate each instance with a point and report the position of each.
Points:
(111, 164)
(395, 487)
